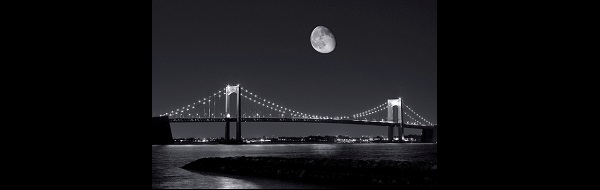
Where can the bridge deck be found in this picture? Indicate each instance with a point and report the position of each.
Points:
(340, 121)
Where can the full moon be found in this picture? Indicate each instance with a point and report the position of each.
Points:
(322, 39)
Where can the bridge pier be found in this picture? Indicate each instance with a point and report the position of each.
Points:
(227, 131)
(400, 132)
(434, 138)
(390, 133)
(238, 131)
(238, 124)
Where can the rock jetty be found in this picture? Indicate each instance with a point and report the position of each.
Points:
(339, 172)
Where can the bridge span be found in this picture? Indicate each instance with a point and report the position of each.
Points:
(305, 120)
(258, 109)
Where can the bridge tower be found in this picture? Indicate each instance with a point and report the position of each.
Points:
(394, 107)
(238, 125)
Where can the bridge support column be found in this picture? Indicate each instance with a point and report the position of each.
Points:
(227, 131)
(434, 138)
(238, 131)
(390, 133)
(400, 132)
(238, 124)
(394, 107)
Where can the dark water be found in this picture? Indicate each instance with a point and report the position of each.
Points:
(167, 160)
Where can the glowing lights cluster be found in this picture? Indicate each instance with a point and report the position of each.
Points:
(415, 122)
(370, 111)
(416, 114)
(202, 101)
(253, 97)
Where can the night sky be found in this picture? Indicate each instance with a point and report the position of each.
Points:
(384, 50)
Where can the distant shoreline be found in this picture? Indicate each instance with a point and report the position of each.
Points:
(214, 143)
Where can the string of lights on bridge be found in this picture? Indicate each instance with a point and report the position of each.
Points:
(414, 121)
(370, 111)
(202, 101)
(253, 97)
(383, 107)
(416, 114)
(270, 105)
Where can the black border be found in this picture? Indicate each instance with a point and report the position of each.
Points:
(105, 87)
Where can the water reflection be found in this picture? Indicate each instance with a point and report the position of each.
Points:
(168, 160)
(324, 150)
(232, 183)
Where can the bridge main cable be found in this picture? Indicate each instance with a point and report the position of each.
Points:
(416, 114)
(253, 97)
(192, 106)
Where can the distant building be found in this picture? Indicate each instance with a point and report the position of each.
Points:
(319, 139)
(290, 139)
(412, 138)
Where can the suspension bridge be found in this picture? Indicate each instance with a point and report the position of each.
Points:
(218, 108)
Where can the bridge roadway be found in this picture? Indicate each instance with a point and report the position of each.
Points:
(306, 120)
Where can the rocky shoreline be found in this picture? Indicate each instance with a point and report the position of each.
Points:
(339, 172)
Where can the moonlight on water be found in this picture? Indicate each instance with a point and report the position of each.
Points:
(322, 39)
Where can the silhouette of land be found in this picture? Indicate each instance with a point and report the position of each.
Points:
(161, 131)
